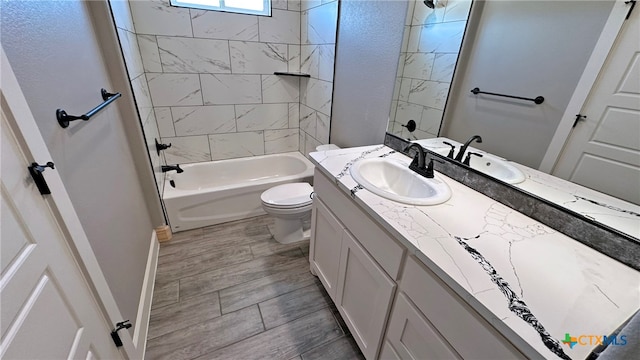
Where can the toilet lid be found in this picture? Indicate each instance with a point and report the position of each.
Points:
(288, 195)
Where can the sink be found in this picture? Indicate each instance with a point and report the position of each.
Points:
(392, 179)
(491, 165)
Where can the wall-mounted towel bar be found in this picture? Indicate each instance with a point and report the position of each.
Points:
(538, 100)
(64, 118)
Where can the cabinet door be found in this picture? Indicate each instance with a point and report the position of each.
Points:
(364, 297)
(413, 337)
(324, 250)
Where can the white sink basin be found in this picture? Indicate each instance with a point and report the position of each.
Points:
(497, 168)
(392, 179)
(491, 165)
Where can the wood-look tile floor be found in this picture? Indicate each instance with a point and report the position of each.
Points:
(230, 291)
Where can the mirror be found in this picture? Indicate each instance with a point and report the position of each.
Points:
(428, 57)
(520, 48)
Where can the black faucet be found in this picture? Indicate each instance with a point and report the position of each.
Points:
(175, 167)
(466, 145)
(419, 163)
(467, 159)
(451, 151)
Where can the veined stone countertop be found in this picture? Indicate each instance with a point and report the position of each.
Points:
(532, 283)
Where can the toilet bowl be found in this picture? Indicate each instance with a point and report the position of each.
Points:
(289, 204)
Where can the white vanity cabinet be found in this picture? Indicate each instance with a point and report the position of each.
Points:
(429, 318)
(361, 288)
(361, 265)
(324, 251)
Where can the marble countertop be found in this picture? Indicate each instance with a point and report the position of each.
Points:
(533, 284)
(605, 209)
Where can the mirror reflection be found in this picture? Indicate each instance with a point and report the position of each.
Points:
(428, 56)
(529, 49)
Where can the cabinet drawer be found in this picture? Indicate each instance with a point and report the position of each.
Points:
(470, 335)
(387, 252)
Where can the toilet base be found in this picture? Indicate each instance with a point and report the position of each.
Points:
(288, 231)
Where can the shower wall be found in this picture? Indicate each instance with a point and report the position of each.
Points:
(318, 43)
(432, 39)
(204, 79)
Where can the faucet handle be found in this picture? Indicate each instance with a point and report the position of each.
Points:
(429, 170)
(467, 159)
(160, 147)
(451, 151)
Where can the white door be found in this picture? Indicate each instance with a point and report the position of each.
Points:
(48, 275)
(603, 152)
(48, 311)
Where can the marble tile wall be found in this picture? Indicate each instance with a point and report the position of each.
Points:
(318, 21)
(205, 78)
(132, 45)
(430, 48)
(210, 78)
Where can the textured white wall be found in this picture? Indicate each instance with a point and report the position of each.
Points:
(367, 50)
(524, 48)
(60, 64)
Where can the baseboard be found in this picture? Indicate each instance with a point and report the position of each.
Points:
(146, 296)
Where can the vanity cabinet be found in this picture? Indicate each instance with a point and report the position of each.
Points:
(366, 272)
(356, 261)
(429, 318)
(324, 251)
(365, 294)
(411, 336)
(361, 290)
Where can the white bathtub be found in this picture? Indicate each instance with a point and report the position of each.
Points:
(214, 192)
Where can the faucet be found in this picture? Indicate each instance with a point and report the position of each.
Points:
(419, 162)
(175, 167)
(466, 145)
(467, 160)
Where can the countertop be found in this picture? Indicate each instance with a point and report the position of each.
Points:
(533, 284)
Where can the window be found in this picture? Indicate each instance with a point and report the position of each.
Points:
(253, 7)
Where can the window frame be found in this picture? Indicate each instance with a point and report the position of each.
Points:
(223, 8)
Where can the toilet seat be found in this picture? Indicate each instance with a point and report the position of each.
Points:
(288, 196)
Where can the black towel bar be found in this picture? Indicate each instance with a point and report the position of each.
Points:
(538, 100)
(64, 118)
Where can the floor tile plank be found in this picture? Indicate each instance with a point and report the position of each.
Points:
(205, 337)
(221, 278)
(165, 293)
(201, 263)
(271, 246)
(183, 314)
(344, 348)
(292, 305)
(268, 287)
(285, 341)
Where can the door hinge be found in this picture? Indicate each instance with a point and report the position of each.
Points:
(36, 171)
(633, 4)
(114, 334)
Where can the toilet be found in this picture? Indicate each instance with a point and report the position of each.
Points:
(290, 204)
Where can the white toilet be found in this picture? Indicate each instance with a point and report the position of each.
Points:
(290, 204)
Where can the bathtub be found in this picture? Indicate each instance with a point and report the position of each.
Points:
(215, 192)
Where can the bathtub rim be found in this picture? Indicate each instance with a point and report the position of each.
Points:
(172, 193)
